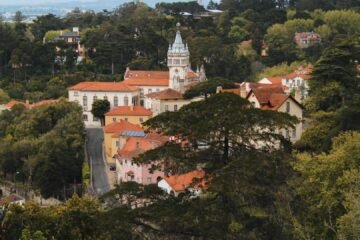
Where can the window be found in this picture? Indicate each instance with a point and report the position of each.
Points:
(287, 134)
(141, 92)
(175, 108)
(126, 119)
(169, 61)
(141, 120)
(287, 107)
(116, 101)
(253, 103)
(85, 101)
(126, 101)
(117, 144)
(176, 61)
(85, 117)
(149, 179)
(149, 90)
(114, 119)
(158, 90)
(298, 82)
(76, 94)
(95, 119)
(94, 98)
(294, 133)
(166, 107)
(105, 98)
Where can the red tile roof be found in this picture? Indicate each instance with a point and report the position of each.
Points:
(135, 146)
(181, 182)
(121, 126)
(13, 103)
(32, 105)
(167, 94)
(103, 87)
(146, 78)
(270, 97)
(129, 111)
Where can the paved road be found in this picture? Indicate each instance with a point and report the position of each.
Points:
(94, 147)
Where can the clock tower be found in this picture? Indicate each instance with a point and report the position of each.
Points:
(178, 61)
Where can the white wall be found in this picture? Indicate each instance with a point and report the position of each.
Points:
(78, 96)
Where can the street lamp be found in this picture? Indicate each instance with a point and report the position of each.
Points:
(15, 180)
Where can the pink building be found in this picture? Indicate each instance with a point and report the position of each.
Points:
(127, 170)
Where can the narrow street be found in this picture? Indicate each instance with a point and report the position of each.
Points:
(99, 172)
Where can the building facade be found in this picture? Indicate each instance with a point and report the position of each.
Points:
(86, 93)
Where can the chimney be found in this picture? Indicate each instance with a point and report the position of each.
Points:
(218, 89)
(243, 90)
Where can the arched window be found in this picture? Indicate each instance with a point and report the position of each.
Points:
(126, 101)
(85, 101)
(116, 101)
(105, 98)
(94, 98)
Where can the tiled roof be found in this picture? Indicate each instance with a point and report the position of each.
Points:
(103, 87)
(13, 103)
(146, 78)
(232, 90)
(275, 80)
(181, 182)
(42, 103)
(167, 94)
(137, 145)
(129, 111)
(121, 126)
(192, 74)
(270, 97)
(32, 105)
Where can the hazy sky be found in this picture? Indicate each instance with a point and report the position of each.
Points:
(29, 2)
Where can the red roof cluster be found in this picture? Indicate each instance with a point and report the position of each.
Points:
(129, 111)
(146, 78)
(270, 96)
(181, 182)
(135, 146)
(121, 126)
(30, 105)
(167, 94)
(103, 87)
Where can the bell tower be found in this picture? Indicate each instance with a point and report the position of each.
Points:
(178, 61)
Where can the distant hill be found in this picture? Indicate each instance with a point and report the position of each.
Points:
(38, 7)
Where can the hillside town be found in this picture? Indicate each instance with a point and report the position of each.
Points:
(182, 121)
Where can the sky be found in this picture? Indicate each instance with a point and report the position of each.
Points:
(31, 2)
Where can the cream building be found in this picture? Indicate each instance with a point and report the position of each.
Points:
(273, 98)
(132, 114)
(86, 93)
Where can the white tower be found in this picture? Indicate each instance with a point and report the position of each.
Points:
(178, 62)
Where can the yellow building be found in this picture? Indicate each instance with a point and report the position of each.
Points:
(132, 114)
(115, 135)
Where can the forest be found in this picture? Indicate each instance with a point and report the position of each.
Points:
(308, 190)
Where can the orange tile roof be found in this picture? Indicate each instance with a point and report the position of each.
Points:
(129, 111)
(275, 80)
(146, 78)
(232, 90)
(32, 105)
(167, 94)
(13, 103)
(42, 103)
(181, 182)
(270, 97)
(103, 87)
(121, 126)
(135, 146)
(192, 74)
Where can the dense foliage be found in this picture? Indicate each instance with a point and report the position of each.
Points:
(45, 145)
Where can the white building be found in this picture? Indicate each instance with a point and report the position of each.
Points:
(86, 93)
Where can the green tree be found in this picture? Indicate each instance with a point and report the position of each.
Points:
(4, 97)
(99, 108)
(208, 87)
(242, 198)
